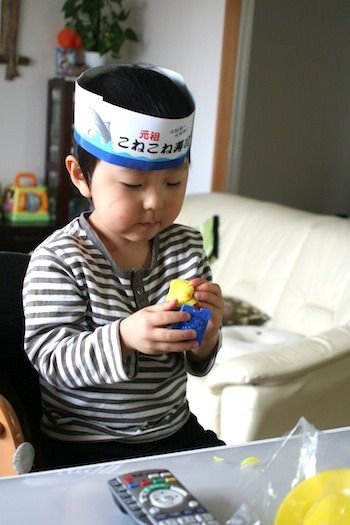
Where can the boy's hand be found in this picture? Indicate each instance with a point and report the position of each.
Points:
(208, 296)
(148, 331)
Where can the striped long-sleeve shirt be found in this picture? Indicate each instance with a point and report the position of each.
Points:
(74, 298)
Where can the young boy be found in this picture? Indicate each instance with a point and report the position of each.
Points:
(112, 372)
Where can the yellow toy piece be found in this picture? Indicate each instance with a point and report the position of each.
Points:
(182, 291)
(251, 460)
(323, 499)
(25, 202)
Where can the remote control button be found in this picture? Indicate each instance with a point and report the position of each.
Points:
(169, 479)
(186, 520)
(180, 490)
(143, 497)
(153, 475)
(193, 503)
(204, 518)
(165, 498)
(128, 479)
(156, 486)
(133, 485)
(146, 482)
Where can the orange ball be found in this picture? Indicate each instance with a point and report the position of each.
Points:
(77, 42)
(68, 38)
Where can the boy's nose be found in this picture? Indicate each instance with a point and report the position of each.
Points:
(153, 201)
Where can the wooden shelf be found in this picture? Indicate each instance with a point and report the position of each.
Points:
(23, 237)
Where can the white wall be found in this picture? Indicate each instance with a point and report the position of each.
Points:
(23, 100)
(185, 35)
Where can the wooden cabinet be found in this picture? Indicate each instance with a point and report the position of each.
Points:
(58, 145)
(23, 237)
(64, 199)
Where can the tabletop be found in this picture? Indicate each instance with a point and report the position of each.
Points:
(80, 495)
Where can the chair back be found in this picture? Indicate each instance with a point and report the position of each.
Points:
(19, 382)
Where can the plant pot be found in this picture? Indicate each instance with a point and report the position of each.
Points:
(94, 59)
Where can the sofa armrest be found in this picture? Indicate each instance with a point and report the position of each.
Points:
(280, 364)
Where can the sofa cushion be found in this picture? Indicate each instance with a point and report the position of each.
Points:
(209, 229)
(238, 312)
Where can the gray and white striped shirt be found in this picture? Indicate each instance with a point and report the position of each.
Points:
(74, 298)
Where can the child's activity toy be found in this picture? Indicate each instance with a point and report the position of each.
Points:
(183, 291)
(25, 202)
(199, 320)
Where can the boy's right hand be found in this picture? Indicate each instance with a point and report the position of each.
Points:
(148, 331)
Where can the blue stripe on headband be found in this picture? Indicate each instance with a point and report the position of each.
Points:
(127, 160)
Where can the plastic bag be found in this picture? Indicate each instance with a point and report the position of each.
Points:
(273, 492)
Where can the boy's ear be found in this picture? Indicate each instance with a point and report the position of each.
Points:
(77, 176)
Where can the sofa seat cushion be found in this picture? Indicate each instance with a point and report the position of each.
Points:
(242, 340)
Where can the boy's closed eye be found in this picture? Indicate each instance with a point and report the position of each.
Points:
(131, 186)
(136, 186)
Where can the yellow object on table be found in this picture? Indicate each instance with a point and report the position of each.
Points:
(323, 499)
(181, 290)
(250, 460)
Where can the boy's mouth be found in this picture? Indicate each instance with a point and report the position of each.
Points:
(149, 224)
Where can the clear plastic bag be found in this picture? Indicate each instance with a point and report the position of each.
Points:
(273, 492)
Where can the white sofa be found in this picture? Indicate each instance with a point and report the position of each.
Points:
(295, 267)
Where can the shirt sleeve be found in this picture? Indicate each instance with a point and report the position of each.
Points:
(202, 369)
(59, 341)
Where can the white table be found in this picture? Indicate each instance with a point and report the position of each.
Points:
(80, 495)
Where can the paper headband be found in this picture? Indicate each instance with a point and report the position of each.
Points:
(128, 138)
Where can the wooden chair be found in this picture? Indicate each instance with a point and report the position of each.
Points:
(16, 454)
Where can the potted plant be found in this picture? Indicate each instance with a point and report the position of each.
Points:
(100, 24)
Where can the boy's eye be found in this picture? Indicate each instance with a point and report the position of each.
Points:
(132, 186)
(174, 184)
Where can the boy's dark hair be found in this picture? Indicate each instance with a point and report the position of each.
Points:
(137, 88)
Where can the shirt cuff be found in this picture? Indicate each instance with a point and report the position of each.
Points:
(202, 369)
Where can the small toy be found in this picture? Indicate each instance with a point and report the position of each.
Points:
(17, 455)
(199, 320)
(250, 461)
(322, 498)
(25, 203)
(183, 291)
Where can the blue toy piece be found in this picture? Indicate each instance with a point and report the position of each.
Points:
(199, 320)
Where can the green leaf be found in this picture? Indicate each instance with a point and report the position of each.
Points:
(131, 35)
(98, 24)
(123, 15)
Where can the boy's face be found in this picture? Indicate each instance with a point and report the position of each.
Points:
(135, 205)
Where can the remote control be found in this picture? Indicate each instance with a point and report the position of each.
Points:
(156, 497)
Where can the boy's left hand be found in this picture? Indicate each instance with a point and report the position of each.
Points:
(209, 296)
